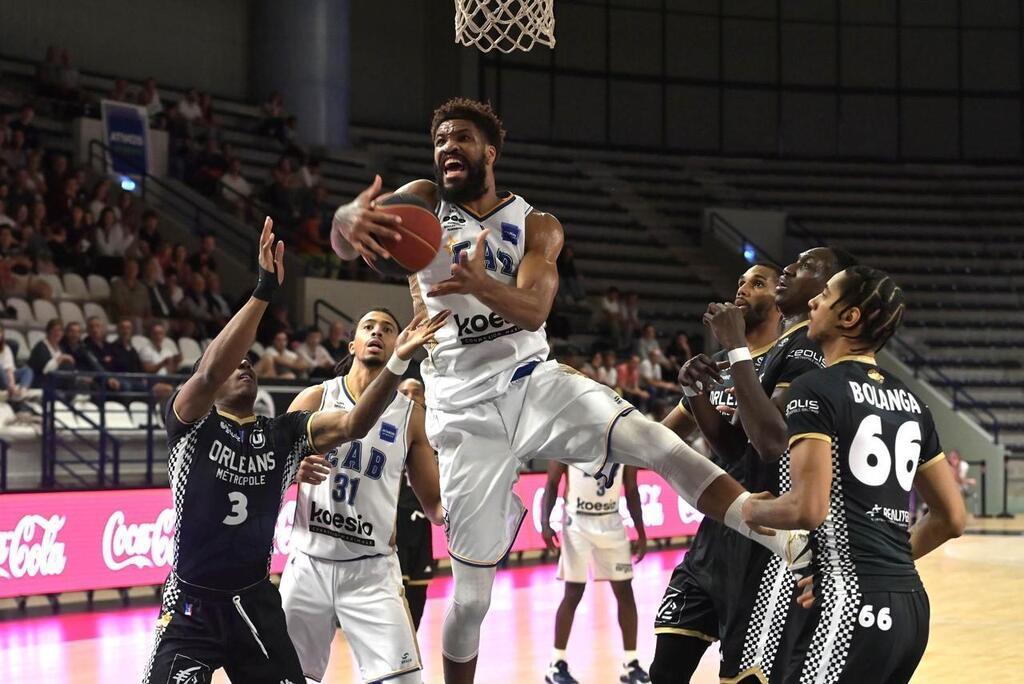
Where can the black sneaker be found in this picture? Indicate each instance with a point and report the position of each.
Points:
(634, 674)
(558, 673)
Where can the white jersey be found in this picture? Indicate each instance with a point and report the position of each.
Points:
(586, 495)
(477, 351)
(352, 514)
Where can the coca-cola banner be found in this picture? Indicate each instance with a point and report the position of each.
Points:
(54, 542)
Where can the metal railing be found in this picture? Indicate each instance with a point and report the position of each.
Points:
(319, 316)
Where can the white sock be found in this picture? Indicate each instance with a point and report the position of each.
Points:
(557, 654)
(627, 658)
(733, 518)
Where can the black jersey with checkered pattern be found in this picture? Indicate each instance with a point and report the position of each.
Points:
(879, 434)
(228, 478)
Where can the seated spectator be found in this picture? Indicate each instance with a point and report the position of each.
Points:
(196, 307)
(651, 375)
(570, 283)
(611, 316)
(112, 240)
(628, 376)
(100, 200)
(159, 355)
(630, 311)
(678, 351)
(86, 360)
(12, 378)
(289, 138)
(96, 341)
(120, 93)
(56, 173)
(202, 261)
(129, 296)
(220, 310)
(160, 304)
(280, 192)
(24, 124)
(592, 368)
(125, 359)
(68, 79)
(275, 323)
(648, 344)
(15, 152)
(47, 356)
(278, 361)
(208, 167)
(309, 173)
(336, 343)
(179, 262)
(318, 360)
(36, 179)
(149, 231)
(608, 374)
(188, 108)
(272, 111)
(236, 190)
(207, 122)
(149, 98)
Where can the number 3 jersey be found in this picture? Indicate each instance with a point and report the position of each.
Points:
(881, 435)
(228, 476)
(352, 514)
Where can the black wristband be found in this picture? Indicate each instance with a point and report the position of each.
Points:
(266, 285)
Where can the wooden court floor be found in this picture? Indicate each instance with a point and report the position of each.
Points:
(976, 587)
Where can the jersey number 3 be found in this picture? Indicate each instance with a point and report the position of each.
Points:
(239, 511)
(871, 460)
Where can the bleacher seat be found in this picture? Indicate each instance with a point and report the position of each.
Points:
(99, 288)
(117, 416)
(34, 337)
(70, 312)
(139, 411)
(91, 309)
(190, 352)
(55, 284)
(17, 336)
(23, 316)
(44, 311)
(75, 287)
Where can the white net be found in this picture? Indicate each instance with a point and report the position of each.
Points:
(505, 25)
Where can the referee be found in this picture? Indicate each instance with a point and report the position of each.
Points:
(229, 470)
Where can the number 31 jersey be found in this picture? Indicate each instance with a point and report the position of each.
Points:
(352, 514)
(881, 435)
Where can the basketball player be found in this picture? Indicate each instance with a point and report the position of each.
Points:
(412, 532)
(860, 440)
(343, 563)
(593, 536)
(696, 602)
(758, 589)
(229, 470)
(492, 399)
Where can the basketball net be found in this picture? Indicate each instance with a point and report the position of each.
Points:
(505, 25)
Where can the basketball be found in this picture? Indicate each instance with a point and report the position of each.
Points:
(421, 236)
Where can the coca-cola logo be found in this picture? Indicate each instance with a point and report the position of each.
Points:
(138, 545)
(32, 549)
(283, 528)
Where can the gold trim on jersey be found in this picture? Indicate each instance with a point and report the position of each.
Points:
(793, 328)
(782, 385)
(490, 212)
(937, 458)
(241, 420)
(754, 671)
(761, 351)
(686, 632)
(348, 389)
(809, 435)
(859, 358)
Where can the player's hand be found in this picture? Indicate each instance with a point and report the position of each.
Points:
(418, 333)
(639, 546)
(747, 512)
(550, 539)
(361, 224)
(726, 322)
(469, 275)
(271, 257)
(699, 373)
(806, 597)
(313, 470)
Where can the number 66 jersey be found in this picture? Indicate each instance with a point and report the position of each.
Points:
(352, 514)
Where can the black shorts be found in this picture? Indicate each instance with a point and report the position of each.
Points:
(200, 631)
(414, 546)
(876, 637)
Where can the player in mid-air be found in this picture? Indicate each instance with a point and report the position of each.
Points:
(343, 564)
(860, 440)
(696, 601)
(752, 581)
(492, 399)
(593, 536)
(229, 470)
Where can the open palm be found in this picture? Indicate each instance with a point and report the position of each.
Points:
(418, 333)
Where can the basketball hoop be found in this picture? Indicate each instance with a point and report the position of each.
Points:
(505, 25)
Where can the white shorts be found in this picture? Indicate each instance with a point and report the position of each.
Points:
(598, 542)
(367, 598)
(555, 413)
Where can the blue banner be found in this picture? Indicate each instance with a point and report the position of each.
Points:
(126, 134)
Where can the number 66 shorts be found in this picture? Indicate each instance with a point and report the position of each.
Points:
(549, 411)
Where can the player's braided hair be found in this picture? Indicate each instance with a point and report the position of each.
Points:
(880, 301)
(480, 113)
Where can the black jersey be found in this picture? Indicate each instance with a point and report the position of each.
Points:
(880, 434)
(228, 477)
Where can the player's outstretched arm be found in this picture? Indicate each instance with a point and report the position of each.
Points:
(547, 505)
(636, 511)
(313, 469)
(805, 506)
(946, 516)
(331, 428)
(421, 465)
(528, 302)
(227, 350)
(357, 225)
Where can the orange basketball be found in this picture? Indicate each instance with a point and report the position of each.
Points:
(421, 236)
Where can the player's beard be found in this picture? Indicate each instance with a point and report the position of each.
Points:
(373, 361)
(473, 187)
